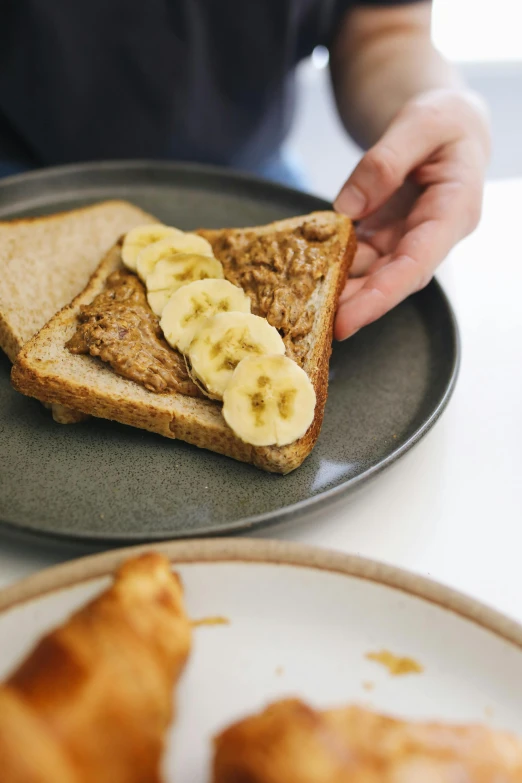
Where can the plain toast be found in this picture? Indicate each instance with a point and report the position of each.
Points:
(46, 261)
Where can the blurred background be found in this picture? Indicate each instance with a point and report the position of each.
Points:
(485, 39)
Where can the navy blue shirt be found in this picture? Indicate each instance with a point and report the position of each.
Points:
(201, 80)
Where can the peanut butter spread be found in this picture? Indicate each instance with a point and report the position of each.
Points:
(280, 272)
(120, 328)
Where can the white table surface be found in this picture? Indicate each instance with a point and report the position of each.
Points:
(451, 508)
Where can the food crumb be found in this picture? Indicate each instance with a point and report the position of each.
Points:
(396, 665)
(102, 516)
(368, 685)
(210, 621)
(279, 671)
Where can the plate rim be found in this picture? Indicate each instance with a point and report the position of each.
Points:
(142, 164)
(271, 552)
(301, 508)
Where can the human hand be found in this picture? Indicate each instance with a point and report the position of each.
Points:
(414, 194)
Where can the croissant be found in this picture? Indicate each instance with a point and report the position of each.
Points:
(289, 741)
(93, 700)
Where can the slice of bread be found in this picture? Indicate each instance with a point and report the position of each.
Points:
(46, 369)
(46, 261)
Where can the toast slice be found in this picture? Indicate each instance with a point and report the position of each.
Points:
(47, 370)
(46, 261)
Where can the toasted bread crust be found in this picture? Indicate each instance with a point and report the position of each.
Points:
(46, 370)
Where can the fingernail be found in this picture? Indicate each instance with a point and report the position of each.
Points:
(347, 337)
(351, 201)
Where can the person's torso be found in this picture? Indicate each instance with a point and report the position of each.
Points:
(206, 80)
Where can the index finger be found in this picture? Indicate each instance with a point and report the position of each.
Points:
(416, 132)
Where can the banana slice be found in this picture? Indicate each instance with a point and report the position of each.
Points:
(270, 401)
(190, 306)
(223, 341)
(138, 238)
(169, 274)
(189, 244)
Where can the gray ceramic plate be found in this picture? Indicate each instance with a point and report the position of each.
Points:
(100, 481)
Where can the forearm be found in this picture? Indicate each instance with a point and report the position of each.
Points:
(377, 68)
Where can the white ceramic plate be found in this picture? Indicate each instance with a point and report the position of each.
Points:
(301, 623)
